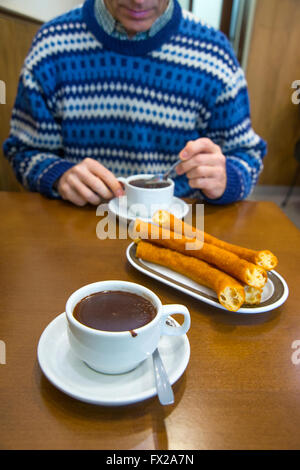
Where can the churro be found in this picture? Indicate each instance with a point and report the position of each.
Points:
(229, 291)
(263, 258)
(252, 295)
(243, 270)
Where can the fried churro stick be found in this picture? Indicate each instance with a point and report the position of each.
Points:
(229, 291)
(264, 258)
(252, 295)
(226, 261)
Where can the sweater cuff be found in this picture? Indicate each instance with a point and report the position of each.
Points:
(234, 189)
(50, 175)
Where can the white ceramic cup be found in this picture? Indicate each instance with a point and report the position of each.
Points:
(144, 202)
(114, 352)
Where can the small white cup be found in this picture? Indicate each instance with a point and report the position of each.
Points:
(117, 352)
(144, 202)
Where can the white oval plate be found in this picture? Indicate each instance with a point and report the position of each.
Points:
(73, 377)
(274, 294)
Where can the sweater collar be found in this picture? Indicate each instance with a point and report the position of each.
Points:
(128, 46)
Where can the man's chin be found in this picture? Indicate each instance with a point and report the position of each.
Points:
(137, 27)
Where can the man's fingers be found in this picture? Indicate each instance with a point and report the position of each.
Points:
(205, 167)
(100, 187)
(70, 194)
(194, 147)
(202, 172)
(204, 159)
(111, 182)
(84, 190)
(88, 181)
(93, 182)
(202, 183)
(73, 188)
(106, 176)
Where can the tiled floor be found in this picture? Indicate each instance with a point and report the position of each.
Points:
(277, 194)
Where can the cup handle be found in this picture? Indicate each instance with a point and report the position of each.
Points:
(121, 179)
(168, 310)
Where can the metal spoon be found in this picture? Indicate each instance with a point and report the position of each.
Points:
(163, 386)
(162, 176)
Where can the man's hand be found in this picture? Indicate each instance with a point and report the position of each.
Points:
(88, 182)
(205, 166)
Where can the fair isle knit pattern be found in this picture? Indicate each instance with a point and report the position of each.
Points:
(131, 105)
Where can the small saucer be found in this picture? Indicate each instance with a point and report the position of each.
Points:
(73, 377)
(117, 206)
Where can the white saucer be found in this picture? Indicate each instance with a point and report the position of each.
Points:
(117, 206)
(73, 377)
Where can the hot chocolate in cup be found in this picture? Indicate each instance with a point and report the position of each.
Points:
(126, 326)
(144, 201)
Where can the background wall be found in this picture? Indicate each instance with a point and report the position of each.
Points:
(41, 10)
(15, 38)
(210, 11)
(273, 65)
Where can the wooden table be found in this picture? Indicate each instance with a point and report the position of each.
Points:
(240, 390)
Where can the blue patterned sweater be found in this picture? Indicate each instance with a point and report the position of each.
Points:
(131, 105)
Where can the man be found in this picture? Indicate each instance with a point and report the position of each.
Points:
(119, 87)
